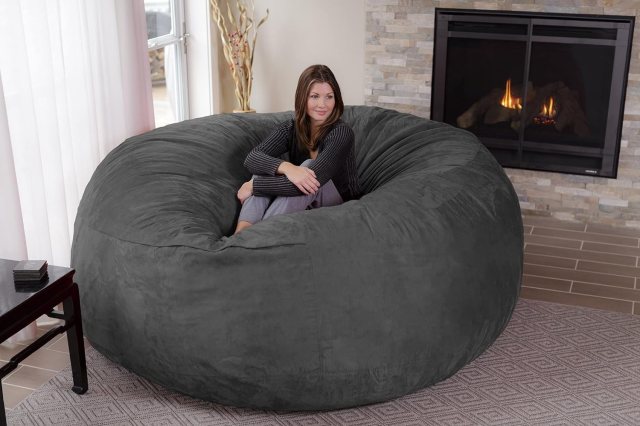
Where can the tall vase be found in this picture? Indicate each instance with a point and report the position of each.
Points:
(238, 111)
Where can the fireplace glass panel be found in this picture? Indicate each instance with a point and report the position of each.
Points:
(475, 69)
(571, 89)
(542, 91)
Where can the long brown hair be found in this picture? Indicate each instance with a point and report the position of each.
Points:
(315, 74)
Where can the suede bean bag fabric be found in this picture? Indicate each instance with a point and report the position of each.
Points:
(322, 309)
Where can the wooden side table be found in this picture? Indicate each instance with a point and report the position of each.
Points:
(19, 307)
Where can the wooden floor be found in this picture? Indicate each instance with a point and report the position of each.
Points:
(582, 264)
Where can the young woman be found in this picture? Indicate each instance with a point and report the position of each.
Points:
(321, 170)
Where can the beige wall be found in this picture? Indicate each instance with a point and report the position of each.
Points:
(297, 34)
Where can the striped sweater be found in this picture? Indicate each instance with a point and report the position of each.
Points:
(335, 161)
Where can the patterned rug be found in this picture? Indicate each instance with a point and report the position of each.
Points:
(553, 365)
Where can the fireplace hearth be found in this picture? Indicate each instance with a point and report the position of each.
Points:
(542, 91)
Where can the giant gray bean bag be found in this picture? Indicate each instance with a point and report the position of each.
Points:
(322, 309)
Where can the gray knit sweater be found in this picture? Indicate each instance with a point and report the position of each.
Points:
(335, 161)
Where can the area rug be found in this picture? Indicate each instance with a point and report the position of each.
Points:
(553, 365)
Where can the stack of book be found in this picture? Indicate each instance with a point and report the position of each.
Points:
(30, 271)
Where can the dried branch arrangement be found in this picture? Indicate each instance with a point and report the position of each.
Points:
(235, 32)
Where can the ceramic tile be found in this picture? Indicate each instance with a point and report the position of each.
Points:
(553, 223)
(551, 241)
(30, 377)
(56, 342)
(611, 248)
(585, 236)
(4, 379)
(582, 254)
(560, 262)
(606, 291)
(608, 268)
(8, 350)
(48, 359)
(575, 275)
(13, 395)
(613, 230)
(577, 300)
(546, 283)
(60, 345)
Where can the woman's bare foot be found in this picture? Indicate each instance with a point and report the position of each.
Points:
(242, 225)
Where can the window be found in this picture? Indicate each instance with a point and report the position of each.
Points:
(167, 41)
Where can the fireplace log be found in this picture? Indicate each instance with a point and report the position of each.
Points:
(534, 106)
(478, 110)
(570, 116)
(488, 109)
(497, 114)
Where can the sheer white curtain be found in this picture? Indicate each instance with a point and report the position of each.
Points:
(74, 83)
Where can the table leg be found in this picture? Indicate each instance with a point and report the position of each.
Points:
(75, 339)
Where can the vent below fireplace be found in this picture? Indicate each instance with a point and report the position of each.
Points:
(542, 91)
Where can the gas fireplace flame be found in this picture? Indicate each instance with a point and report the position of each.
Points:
(547, 114)
(549, 110)
(508, 101)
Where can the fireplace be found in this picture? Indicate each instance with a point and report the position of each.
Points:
(541, 91)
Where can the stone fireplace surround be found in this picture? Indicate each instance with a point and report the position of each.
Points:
(398, 65)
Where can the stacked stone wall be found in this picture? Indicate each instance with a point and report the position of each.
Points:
(399, 57)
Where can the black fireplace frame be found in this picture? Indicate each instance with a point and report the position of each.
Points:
(445, 21)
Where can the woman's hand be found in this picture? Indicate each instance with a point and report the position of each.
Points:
(245, 191)
(302, 177)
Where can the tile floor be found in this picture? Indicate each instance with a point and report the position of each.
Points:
(590, 265)
(581, 264)
(34, 371)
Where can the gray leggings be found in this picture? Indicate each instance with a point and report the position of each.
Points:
(255, 208)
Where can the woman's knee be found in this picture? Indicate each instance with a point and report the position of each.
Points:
(253, 209)
(283, 205)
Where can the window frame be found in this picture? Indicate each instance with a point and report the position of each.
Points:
(177, 40)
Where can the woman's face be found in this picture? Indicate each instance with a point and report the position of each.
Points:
(320, 103)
